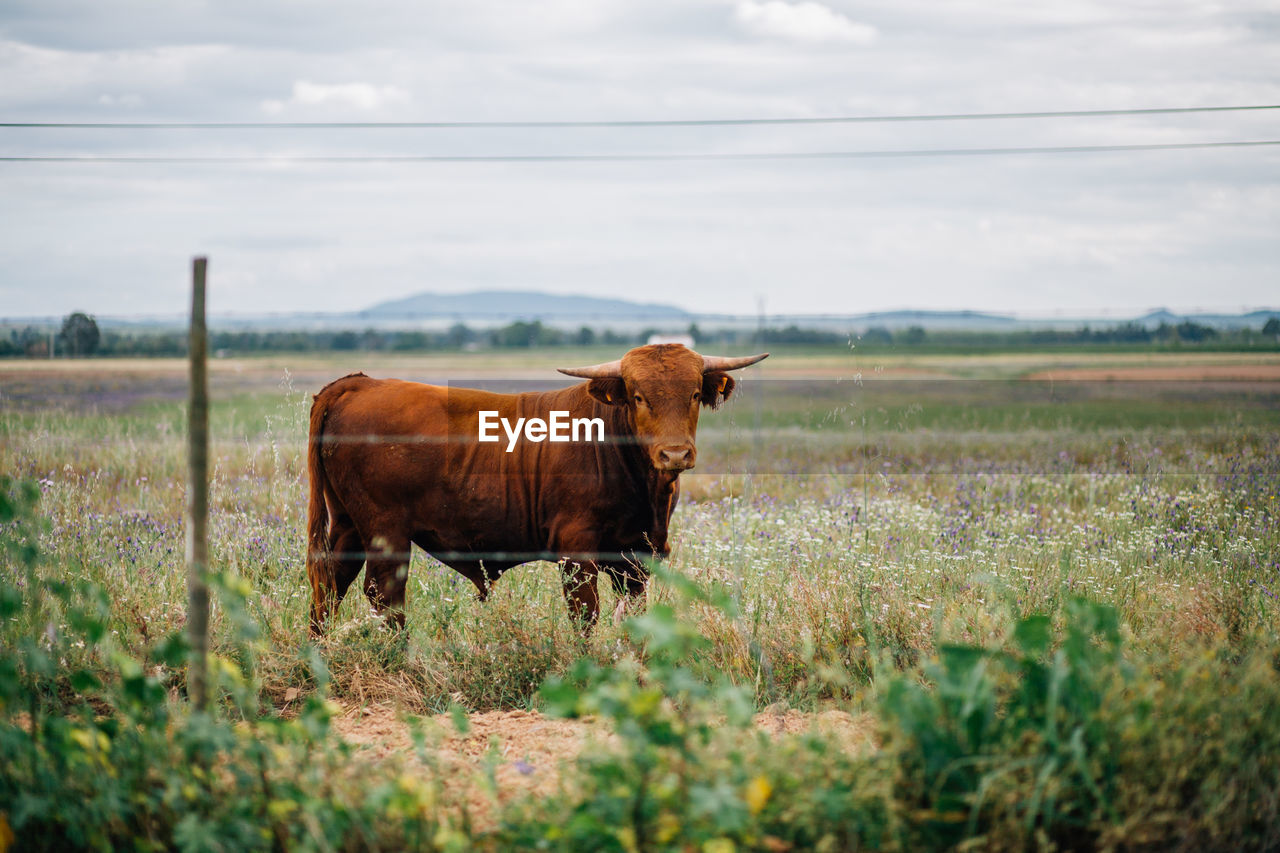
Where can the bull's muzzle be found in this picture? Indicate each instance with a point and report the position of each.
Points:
(676, 458)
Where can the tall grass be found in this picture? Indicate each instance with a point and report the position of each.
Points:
(836, 543)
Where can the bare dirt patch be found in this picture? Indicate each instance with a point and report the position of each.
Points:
(523, 750)
(507, 754)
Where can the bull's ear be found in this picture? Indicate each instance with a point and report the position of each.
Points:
(716, 388)
(611, 392)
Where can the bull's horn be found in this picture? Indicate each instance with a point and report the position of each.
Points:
(607, 370)
(715, 362)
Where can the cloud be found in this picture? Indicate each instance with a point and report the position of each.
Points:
(129, 100)
(805, 21)
(360, 96)
(1067, 231)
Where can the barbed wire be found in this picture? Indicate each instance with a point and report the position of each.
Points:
(336, 159)
(611, 123)
(723, 439)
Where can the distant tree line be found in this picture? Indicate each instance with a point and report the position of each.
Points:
(80, 336)
(1186, 332)
(1166, 335)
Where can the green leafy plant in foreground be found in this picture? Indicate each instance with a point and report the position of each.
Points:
(104, 758)
(1031, 715)
(1071, 744)
(686, 770)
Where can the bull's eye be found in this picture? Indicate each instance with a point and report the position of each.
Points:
(639, 400)
(697, 396)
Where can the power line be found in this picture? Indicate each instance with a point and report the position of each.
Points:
(629, 158)
(440, 125)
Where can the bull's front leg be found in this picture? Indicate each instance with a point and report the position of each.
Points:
(631, 583)
(584, 557)
(580, 592)
(578, 543)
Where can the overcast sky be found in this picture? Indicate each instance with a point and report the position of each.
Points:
(1093, 233)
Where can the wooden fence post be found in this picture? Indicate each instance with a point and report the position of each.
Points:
(198, 494)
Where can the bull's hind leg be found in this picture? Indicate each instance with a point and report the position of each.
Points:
(332, 572)
(387, 576)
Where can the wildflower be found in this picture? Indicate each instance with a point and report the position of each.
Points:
(668, 828)
(757, 794)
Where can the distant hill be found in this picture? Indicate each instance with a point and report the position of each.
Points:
(522, 305)
(975, 320)
(1251, 320)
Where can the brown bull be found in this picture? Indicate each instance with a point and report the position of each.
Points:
(393, 463)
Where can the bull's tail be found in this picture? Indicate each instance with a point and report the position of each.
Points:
(319, 559)
(322, 564)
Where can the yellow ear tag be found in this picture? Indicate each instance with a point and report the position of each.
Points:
(608, 398)
(724, 383)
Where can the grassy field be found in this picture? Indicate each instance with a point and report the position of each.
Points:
(853, 525)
